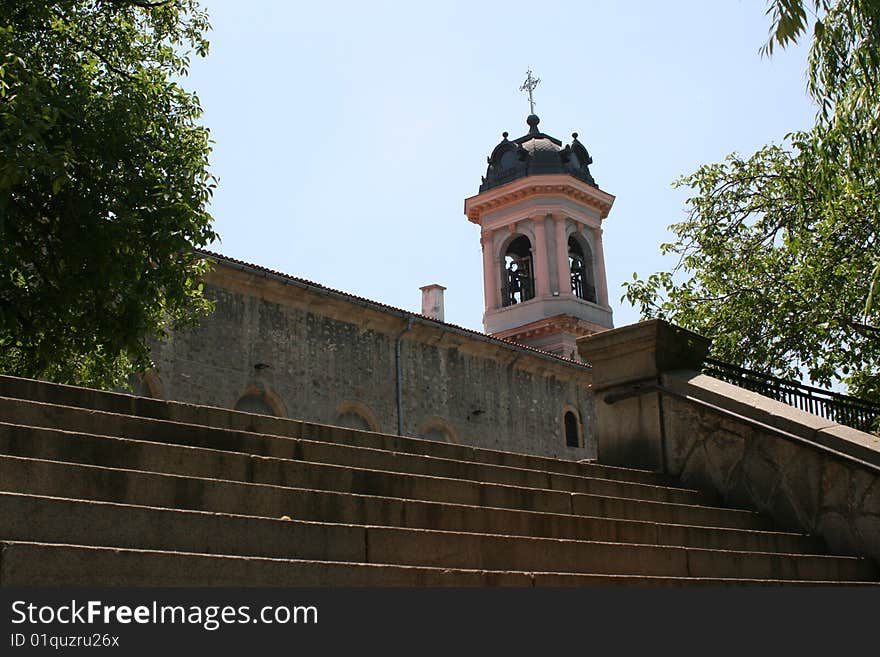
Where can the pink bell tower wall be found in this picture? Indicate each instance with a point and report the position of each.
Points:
(554, 317)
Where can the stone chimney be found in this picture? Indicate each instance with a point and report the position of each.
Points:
(432, 301)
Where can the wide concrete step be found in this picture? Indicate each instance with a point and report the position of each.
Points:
(55, 444)
(271, 484)
(46, 564)
(124, 411)
(64, 520)
(44, 518)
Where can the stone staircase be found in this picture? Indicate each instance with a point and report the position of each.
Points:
(107, 489)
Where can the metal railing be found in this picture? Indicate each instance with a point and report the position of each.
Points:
(853, 412)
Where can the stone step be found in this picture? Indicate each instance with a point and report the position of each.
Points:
(179, 492)
(43, 519)
(200, 469)
(26, 440)
(53, 405)
(29, 510)
(45, 564)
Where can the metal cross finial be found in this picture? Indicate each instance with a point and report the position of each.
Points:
(529, 85)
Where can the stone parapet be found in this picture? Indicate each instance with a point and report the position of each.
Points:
(639, 352)
(655, 410)
(629, 431)
(808, 473)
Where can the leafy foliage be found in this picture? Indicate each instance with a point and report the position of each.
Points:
(778, 255)
(103, 184)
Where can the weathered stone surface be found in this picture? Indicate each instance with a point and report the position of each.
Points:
(803, 477)
(870, 503)
(680, 421)
(738, 493)
(837, 531)
(627, 431)
(745, 402)
(861, 483)
(762, 478)
(314, 355)
(802, 482)
(847, 440)
(835, 486)
(695, 472)
(724, 452)
(777, 450)
(867, 528)
(29, 564)
(641, 351)
(782, 509)
(292, 504)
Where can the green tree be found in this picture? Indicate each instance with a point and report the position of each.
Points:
(778, 252)
(103, 184)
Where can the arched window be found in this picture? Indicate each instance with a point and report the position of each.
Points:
(580, 261)
(254, 403)
(572, 431)
(518, 282)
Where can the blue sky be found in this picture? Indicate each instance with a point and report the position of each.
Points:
(348, 135)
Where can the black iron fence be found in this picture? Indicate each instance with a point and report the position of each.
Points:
(843, 409)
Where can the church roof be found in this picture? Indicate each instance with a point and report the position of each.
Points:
(302, 282)
(536, 153)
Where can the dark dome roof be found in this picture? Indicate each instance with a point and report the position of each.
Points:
(536, 153)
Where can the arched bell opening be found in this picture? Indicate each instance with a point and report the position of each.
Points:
(518, 280)
(580, 261)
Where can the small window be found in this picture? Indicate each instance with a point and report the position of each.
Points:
(572, 433)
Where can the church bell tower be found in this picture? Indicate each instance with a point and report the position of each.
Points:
(540, 213)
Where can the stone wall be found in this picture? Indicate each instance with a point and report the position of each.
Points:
(306, 352)
(808, 473)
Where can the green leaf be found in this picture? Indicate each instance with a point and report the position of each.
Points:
(776, 259)
(103, 171)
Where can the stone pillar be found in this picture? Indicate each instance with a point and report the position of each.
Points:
(490, 290)
(539, 254)
(562, 257)
(627, 364)
(601, 281)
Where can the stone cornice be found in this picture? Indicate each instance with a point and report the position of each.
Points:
(536, 186)
(555, 324)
